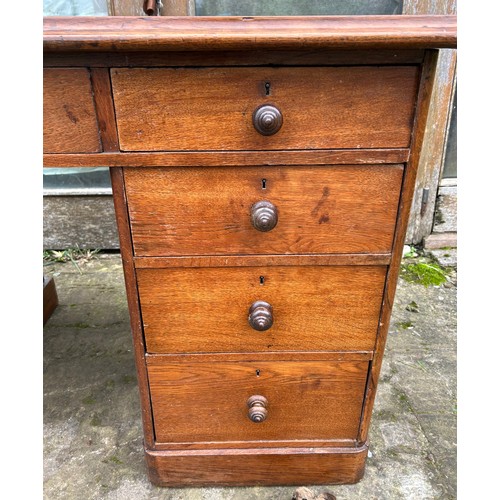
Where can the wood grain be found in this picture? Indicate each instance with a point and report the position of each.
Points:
(433, 148)
(101, 87)
(206, 211)
(238, 357)
(342, 216)
(245, 445)
(229, 158)
(247, 33)
(354, 259)
(178, 8)
(123, 224)
(430, 7)
(257, 467)
(125, 8)
(256, 57)
(198, 109)
(420, 223)
(314, 308)
(307, 399)
(425, 93)
(69, 117)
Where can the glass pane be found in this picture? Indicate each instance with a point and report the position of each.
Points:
(75, 8)
(450, 159)
(297, 7)
(76, 180)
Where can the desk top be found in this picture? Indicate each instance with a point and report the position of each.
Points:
(95, 34)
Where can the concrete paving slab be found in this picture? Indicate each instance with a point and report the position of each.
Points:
(92, 425)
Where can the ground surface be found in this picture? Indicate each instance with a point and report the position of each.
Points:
(92, 426)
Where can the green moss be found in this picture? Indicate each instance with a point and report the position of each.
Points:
(89, 400)
(412, 306)
(127, 379)
(405, 325)
(424, 273)
(411, 253)
(96, 421)
(421, 365)
(403, 398)
(113, 459)
(81, 325)
(386, 415)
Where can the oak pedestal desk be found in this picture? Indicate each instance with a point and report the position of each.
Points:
(262, 172)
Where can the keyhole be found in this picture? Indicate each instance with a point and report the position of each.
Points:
(261, 279)
(264, 181)
(257, 372)
(267, 85)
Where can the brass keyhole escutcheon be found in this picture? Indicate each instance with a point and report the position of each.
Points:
(267, 119)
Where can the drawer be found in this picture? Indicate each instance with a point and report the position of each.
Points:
(212, 108)
(69, 117)
(208, 401)
(312, 308)
(208, 211)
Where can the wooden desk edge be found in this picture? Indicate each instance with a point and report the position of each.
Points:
(95, 34)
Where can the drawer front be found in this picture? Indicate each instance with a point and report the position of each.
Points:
(212, 108)
(208, 211)
(312, 308)
(202, 401)
(69, 117)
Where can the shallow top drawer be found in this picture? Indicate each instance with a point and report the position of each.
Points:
(69, 117)
(214, 108)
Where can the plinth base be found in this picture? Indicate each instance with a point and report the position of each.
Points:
(256, 466)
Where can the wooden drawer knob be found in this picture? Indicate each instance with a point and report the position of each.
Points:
(260, 316)
(264, 216)
(267, 119)
(257, 408)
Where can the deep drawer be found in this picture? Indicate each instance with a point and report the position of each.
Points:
(313, 308)
(69, 117)
(208, 211)
(304, 400)
(212, 108)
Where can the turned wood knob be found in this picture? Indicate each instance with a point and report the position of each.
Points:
(257, 408)
(267, 119)
(260, 316)
(264, 216)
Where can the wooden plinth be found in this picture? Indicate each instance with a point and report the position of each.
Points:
(256, 466)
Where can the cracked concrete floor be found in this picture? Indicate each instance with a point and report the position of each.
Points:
(92, 426)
